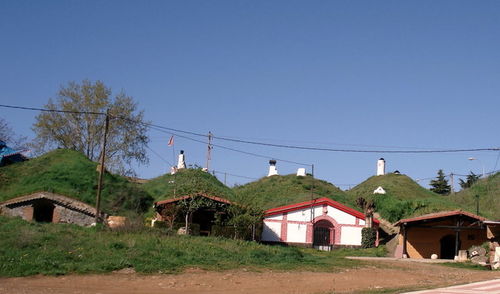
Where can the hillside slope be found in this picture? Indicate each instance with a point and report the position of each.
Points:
(276, 191)
(488, 191)
(185, 182)
(70, 173)
(403, 198)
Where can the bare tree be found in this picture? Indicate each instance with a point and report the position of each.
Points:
(8, 136)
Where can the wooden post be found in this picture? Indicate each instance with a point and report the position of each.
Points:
(457, 237)
(405, 238)
(209, 150)
(101, 171)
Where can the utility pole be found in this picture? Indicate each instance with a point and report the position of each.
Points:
(312, 181)
(312, 194)
(209, 150)
(477, 204)
(101, 171)
(451, 182)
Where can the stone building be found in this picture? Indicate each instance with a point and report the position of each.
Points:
(51, 208)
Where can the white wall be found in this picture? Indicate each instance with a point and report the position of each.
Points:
(350, 236)
(341, 217)
(275, 217)
(300, 215)
(296, 233)
(271, 231)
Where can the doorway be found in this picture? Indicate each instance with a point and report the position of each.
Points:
(43, 211)
(448, 247)
(324, 233)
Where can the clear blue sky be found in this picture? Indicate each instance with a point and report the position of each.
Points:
(340, 74)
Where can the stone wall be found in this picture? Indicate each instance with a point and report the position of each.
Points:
(61, 214)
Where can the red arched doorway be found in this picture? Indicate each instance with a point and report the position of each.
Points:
(324, 235)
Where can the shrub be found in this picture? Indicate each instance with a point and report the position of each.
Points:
(368, 237)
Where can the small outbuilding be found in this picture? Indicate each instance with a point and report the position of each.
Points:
(50, 208)
(442, 233)
(320, 223)
(9, 155)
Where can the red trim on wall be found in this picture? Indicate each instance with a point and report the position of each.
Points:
(335, 231)
(284, 228)
(316, 202)
(288, 221)
(309, 233)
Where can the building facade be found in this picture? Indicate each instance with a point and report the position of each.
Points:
(321, 223)
(51, 208)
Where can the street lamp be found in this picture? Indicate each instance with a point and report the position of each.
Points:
(473, 158)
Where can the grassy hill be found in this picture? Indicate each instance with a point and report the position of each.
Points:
(70, 173)
(488, 191)
(403, 198)
(185, 182)
(276, 191)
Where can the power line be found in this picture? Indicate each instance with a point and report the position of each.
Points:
(232, 149)
(161, 157)
(271, 144)
(354, 150)
(234, 175)
(52, 110)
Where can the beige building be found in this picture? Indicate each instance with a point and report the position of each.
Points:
(443, 233)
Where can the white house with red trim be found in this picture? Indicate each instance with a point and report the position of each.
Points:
(321, 223)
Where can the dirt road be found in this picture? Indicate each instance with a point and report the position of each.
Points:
(374, 276)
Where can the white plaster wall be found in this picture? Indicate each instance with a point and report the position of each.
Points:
(296, 233)
(271, 231)
(275, 217)
(341, 217)
(302, 215)
(362, 222)
(350, 236)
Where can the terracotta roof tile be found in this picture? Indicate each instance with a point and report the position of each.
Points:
(440, 214)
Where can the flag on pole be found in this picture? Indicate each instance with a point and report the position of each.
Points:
(171, 141)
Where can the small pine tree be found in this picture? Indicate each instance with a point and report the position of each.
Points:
(471, 179)
(440, 184)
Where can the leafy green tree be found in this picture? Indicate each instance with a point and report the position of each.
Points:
(470, 180)
(440, 184)
(245, 221)
(127, 138)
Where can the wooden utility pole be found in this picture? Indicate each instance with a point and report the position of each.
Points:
(312, 183)
(101, 171)
(452, 184)
(312, 193)
(209, 150)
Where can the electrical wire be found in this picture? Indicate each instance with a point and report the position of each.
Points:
(232, 149)
(270, 144)
(51, 110)
(161, 157)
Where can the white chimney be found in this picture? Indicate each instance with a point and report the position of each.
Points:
(181, 163)
(301, 172)
(272, 168)
(381, 167)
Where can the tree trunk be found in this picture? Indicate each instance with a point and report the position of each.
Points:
(186, 227)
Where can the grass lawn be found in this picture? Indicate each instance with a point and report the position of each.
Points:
(55, 249)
